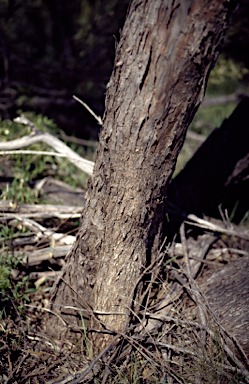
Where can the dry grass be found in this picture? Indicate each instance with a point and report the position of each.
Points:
(169, 344)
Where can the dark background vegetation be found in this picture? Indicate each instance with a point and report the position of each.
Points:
(52, 49)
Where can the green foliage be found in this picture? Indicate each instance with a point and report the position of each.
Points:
(13, 294)
(208, 118)
(226, 76)
(27, 168)
(205, 120)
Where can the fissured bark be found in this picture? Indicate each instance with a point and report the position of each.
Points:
(166, 51)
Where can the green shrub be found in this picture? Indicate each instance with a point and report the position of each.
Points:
(27, 168)
(13, 294)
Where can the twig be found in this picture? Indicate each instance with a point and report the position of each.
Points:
(233, 231)
(88, 307)
(77, 140)
(192, 282)
(47, 310)
(31, 152)
(85, 310)
(98, 118)
(16, 369)
(39, 210)
(80, 375)
(211, 333)
(42, 232)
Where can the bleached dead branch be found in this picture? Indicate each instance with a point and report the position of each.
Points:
(39, 136)
(8, 208)
(220, 227)
(98, 118)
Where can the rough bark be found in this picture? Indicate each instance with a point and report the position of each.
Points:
(163, 59)
(227, 294)
(218, 173)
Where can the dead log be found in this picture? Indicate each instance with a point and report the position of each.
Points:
(227, 293)
(218, 175)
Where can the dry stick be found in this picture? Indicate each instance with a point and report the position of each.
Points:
(174, 293)
(117, 336)
(85, 310)
(225, 332)
(154, 266)
(222, 329)
(107, 367)
(107, 370)
(192, 282)
(80, 375)
(216, 320)
(154, 274)
(185, 350)
(86, 143)
(141, 322)
(37, 256)
(64, 323)
(211, 333)
(32, 225)
(98, 118)
(31, 152)
(47, 310)
(41, 338)
(168, 346)
(16, 369)
(40, 136)
(228, 351)
(133, 342)
(41, 233)
(234, 97)
(231, 250)
(39, 210)
(195, 136)
(233, 231)
(177, 251)
(42, 372)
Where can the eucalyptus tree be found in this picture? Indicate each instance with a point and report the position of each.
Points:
(165, 54)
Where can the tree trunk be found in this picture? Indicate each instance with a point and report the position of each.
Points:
(166, 51)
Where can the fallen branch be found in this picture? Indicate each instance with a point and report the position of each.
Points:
(233, 230)
(7, 208)
(39, 136)
(77, 140)
(41, 231)
(37, 256)
(31, 152)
